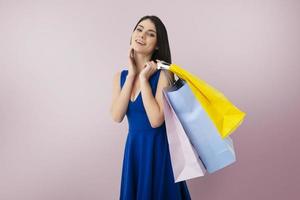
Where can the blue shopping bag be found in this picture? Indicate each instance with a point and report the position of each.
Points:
(215, 152)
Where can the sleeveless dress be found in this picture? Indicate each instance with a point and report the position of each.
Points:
(147, 171)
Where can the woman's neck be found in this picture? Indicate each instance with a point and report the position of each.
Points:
(140, 60)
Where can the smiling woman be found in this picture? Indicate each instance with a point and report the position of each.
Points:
(147, 171)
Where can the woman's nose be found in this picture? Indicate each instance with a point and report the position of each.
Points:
(142, 34)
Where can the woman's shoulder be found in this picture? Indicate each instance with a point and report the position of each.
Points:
(122, 73)
(118, 74)
(124, 70)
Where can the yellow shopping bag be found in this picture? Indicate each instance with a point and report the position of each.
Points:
(222, 112)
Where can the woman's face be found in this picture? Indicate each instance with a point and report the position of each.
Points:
(144, 37)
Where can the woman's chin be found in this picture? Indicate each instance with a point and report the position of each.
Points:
(139, 50)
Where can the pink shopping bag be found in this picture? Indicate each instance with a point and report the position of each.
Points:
(186, 164)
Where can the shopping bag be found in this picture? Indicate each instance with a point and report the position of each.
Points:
(225, 116)
(215, 152)
(184, 159)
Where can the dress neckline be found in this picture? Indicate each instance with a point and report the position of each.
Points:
(136, 97)
(139, 93)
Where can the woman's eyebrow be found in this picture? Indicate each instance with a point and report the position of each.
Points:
(149, 29)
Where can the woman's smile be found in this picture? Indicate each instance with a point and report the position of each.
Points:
(140, 43)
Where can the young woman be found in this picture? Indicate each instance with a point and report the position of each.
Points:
(137, 93)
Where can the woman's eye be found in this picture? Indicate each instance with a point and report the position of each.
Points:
(152, 35)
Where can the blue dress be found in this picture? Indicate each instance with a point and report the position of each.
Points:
(147, 171)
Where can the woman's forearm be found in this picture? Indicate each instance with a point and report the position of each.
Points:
(119, 106)
(151, 106)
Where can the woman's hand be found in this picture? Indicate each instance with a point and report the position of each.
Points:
(132, 68)
(145, 74)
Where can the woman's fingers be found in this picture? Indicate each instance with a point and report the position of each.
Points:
(131, 52)
(154, 64)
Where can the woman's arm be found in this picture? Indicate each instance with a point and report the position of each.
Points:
(120, 97)
(154, 105)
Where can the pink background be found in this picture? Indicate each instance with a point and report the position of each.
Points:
(57, 138)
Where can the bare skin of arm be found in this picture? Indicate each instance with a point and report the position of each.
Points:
(154, 105)
(120, 97)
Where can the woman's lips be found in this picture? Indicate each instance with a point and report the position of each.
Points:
(140, 43)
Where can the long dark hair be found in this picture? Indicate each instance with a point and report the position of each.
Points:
(163, 52)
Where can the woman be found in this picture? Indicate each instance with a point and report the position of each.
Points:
(147, 171)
